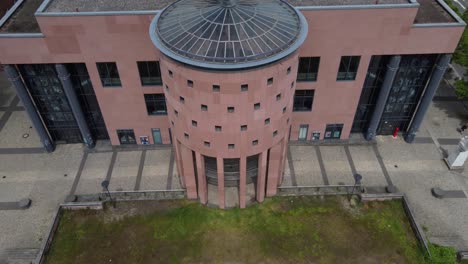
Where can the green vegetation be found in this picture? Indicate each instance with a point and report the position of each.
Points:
(280, 230)
(461, 54)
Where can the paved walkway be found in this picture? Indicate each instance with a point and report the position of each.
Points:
(26, 171)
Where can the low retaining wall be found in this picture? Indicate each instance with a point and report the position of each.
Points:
(418, 232)
(95, 202)
(328, 190)
(53, 227)
(366, 194)
(133, 195)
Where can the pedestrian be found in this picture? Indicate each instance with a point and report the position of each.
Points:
(463, 128)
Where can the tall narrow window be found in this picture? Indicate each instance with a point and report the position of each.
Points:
(150, 72)
(308, 69)
(109, 74)
(303, 130)
(156, 104)
(348, 68)
(303, 100)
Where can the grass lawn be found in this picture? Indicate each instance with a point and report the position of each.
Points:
(280, 230)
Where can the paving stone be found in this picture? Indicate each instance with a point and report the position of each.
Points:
(337, 165)
(19, 133)
(94, 173)
(125, 171)
(367, 165)
(306, 166)
(155, 172)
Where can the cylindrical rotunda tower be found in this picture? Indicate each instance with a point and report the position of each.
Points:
(229, 77)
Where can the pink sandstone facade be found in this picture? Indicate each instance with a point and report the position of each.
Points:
(123, 38)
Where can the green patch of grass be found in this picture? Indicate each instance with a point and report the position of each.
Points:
(280, 230)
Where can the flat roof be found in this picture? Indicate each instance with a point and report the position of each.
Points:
(344, 2)
(23, 20)
(430, 11)
(141, 5)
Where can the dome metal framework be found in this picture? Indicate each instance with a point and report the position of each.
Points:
(225, 34)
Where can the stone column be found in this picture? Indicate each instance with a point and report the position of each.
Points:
(261, 176)
(392, 68)
(220, 169)
(23, 95)
(178, 160)
(202, 187)
(274, 169)
(436, 78)
(75, 105)
(189, 172)
(242, 181)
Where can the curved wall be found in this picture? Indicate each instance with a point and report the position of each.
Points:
(230, 95)
(194, 128)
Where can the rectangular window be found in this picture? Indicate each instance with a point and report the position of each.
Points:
(156, 104)
(126, 136)
(303, 100)
(109, 74)
(308, 69)
(303, 129)
(157, 139)
(333, 131)
(150, 73)
(348, 68)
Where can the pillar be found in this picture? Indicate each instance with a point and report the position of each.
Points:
(202, 187)
(274, 169)
(261, 176)
(284, 156)
(23, 95)
(179, 165)
(436, 78)
(189, 172)
(242, 181)
(220, 169)
(64, 77)
(392, 69)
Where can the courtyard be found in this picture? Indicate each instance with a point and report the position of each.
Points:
(26, 171)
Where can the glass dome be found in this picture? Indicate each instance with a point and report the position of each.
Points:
(228, 34)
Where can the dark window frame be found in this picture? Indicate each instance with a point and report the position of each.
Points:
(109, 74)
(348, 69)
(150, 73)
(126, 134)
(308, 69)
(303, 100)
(155, 104)
(333, 129)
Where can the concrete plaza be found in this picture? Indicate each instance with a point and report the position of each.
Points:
(26, 171)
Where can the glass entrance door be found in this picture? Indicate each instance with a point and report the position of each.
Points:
(156, 135)
(303, 129)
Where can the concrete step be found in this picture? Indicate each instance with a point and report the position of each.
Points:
(18, 255)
